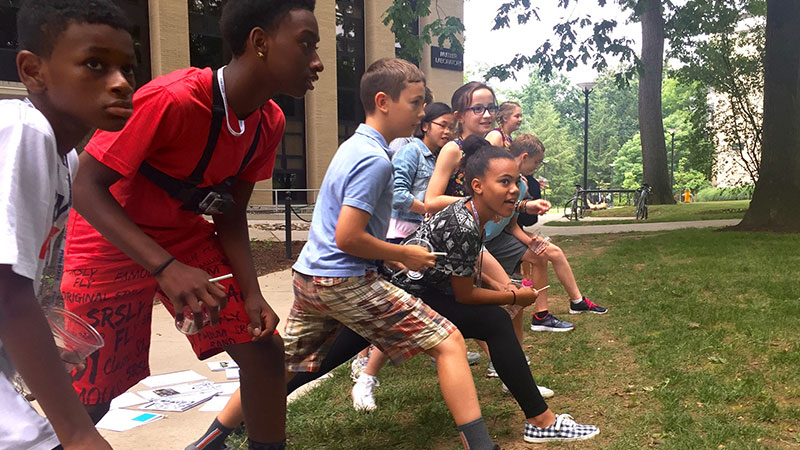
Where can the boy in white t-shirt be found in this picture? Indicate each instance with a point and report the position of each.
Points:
(76, 59)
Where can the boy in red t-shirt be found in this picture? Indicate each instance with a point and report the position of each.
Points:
(196, 144)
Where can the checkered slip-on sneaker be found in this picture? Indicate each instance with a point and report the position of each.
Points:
(564, 429)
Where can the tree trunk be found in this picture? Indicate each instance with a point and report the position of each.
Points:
(651, 125)
(776, 200)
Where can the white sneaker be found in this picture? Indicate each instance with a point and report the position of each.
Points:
(491, 372)
(545, 392)
(363, 398)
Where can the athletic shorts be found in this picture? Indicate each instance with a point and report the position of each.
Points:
(396, 322)
(507, 250)
(117, 300)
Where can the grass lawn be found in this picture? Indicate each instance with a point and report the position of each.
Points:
(666, 213)
(700, 350)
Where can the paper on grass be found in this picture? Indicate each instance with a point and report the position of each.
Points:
(219, 366)
(125, 419)
(215, 404)
(126, 399)
(186, 376)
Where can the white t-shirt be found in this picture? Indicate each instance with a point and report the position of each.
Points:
(35, 198)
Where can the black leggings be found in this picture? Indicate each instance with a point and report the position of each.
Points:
(488, 323)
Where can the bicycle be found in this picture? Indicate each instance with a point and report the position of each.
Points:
(641, 201)
(576, 207)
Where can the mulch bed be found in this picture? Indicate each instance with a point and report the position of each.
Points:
(270, 256)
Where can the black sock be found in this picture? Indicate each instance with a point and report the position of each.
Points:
(475, 435)
(253, 445)
(541, 314)
(213, 439)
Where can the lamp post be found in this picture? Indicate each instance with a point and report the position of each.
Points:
(587, 88)
(672, 160)
(611, 183)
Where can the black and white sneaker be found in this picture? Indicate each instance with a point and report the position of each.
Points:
(586, 305)
(550, 323)
(564, 429)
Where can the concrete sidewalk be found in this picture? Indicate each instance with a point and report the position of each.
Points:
(171, 352)
(302, 235)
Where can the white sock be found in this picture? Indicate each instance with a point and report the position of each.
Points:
(575, 302)
(365, 377)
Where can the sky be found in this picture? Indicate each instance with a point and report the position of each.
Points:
(485, 48)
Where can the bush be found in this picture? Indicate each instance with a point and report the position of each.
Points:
(722, 194)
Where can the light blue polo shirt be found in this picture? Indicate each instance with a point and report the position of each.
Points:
(360, 175)
(493, 229)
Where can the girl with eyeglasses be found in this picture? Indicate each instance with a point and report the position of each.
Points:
(474, 107)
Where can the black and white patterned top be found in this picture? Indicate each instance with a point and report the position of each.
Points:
(454, 231)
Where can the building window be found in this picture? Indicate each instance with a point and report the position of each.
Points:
(136, 10)
(8, 40)
(350, 58)
(205, 37)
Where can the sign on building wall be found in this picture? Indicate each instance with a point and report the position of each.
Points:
(444, 58)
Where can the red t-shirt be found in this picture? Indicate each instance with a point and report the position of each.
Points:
(169, 128)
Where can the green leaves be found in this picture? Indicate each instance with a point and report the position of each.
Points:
(403, 17)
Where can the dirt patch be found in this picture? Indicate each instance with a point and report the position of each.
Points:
(270, 256)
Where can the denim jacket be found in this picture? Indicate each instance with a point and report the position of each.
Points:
(413, 167)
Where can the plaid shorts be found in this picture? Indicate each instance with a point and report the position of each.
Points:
(398, 323)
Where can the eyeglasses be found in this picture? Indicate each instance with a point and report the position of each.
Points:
(539, 163)
(451, 129)
(480, 109)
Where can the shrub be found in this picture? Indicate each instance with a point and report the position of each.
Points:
(721, 194)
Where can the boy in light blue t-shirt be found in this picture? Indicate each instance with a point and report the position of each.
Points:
(335, 281)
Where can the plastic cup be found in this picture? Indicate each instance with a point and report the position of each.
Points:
(75, 340)
(186, 324)
(543, 243)
(74, 337)
(413, 274)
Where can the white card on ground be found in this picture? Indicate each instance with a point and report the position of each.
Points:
(232, 374)
(125, 419)
(180, 402)
(179, 389)
(219, 366)
(215, 404)
(227, 388)
(186, 376)
(126, 399)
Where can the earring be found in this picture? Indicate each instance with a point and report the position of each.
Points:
(260, 55)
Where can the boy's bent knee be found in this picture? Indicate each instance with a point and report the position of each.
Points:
(453, 343)
(96, 412)
(267, 352)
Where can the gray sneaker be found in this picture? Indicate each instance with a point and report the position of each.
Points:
(490, 372)
(550, 323)
(473, 358)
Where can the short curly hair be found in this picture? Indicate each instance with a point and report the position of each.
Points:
(41, 22)
(239, 17)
